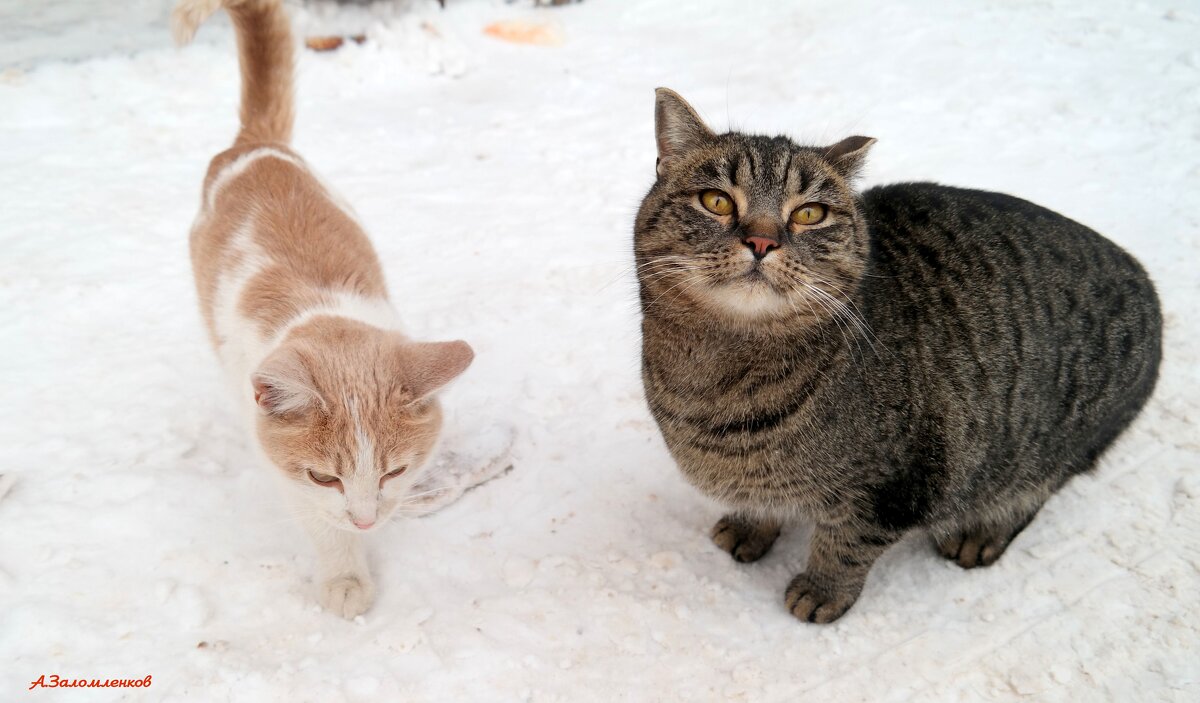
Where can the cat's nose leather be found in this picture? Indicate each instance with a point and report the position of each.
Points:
(761, 234)
(761, 246)
(363, 525)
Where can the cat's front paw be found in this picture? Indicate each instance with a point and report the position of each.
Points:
(812, 600)
(745, 541)
(347, 595)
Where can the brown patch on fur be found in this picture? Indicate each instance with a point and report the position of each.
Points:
(292, 219)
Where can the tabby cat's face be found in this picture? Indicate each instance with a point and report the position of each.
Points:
(752, 229)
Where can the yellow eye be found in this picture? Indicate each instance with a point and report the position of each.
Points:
(717, 202)
(324, 479)
(809, 214)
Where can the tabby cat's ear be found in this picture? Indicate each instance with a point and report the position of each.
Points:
(427, 366)
(283, 385)
(847, 155)
(677, 127)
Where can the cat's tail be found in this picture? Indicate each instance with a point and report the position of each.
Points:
(266, 54)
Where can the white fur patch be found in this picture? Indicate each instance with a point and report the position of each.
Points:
(747, 300)
(362, 488)
(238, 343)
(238, 167)
(364, 460)
(377, 312)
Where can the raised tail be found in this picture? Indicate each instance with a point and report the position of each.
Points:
(266, 54)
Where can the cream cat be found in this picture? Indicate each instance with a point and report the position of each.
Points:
(339, 400)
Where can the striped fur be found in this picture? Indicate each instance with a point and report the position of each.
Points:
(927, 357)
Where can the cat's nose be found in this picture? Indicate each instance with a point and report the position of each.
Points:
(761, 234)
(363, 524)
(761, 246)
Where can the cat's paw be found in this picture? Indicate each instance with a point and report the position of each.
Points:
(744, 540)
(814, 601)
(975, 549)
(347, 595)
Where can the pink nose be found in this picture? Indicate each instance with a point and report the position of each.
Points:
(363, 525)
(760, 245)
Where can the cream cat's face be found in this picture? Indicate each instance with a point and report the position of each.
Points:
(348, 416)
(354, 471)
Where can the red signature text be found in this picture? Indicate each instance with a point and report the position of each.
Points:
(57, 681)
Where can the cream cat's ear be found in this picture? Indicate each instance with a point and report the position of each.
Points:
(677, 127)
(283, 385)
(427, 366)
(847, 156)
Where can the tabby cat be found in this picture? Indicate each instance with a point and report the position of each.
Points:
(912, 356)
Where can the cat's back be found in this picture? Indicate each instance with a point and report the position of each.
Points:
(1038, 319)
(263, 202)
(269, 229)
(959, 240)
(272, 244)
(930, 220)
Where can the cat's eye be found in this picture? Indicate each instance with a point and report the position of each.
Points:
(392, 474)
(717, 202)
(809, 214)
(323, 479)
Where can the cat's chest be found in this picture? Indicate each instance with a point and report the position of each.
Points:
(743, 430)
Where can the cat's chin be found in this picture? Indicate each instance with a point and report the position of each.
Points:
(747, 298)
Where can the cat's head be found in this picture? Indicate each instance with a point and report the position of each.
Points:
(347, 412)
(758, 231)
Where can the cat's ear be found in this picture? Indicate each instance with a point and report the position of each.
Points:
(677, 127)
(427, 366)
(847, 155)
(283, 385)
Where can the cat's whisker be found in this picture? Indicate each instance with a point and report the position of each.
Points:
(843, 314)
(840, 311)
(686, 273)
(835, 315)
(665, 273)
(640, 267)
(669, 259)
(666, 269)
(660, 267)
(684, 291)
(689, 283)
(694, 274)
(412, 496)
(859, 318)
(620, 276)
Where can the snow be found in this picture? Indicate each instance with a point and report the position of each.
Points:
(499, 184)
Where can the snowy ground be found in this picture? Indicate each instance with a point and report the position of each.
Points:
(499, 183)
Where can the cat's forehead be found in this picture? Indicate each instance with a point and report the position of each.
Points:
(761, 165)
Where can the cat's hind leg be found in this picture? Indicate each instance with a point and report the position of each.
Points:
(979, 540)
(746, 538)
